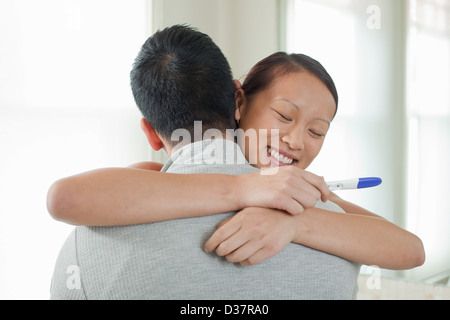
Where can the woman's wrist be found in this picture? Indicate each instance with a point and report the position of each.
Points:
(239, 190)
(247, 191)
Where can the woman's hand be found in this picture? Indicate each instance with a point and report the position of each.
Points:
(256, 234)
(252, 236)
(286, 188)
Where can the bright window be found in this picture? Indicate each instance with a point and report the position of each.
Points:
(65, 107)
(428, 114)
(391, 64)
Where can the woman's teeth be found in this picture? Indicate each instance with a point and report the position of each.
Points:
(279, 157)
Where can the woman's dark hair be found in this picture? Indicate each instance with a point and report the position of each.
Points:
(262, 75)
(181, 76)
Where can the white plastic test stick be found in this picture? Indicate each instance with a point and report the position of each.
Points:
(358, 183)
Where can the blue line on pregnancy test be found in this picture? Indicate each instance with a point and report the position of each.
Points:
(358, 183)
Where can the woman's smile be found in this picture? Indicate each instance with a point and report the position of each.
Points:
(279, 158)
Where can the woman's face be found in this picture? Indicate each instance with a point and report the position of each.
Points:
(300, 108)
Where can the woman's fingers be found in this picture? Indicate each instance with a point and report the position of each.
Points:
(252, 235)
(319, 183)
(229, 247)
(292, 206)
(221, 234)
(303, 186)
(247, 254)
(287, 188)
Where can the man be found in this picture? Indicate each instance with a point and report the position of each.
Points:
(180, 77)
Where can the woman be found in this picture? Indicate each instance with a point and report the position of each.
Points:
(294, 95)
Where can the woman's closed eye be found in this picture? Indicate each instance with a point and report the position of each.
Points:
(283, 117)
(316, 133)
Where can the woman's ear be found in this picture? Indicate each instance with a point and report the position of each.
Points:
(239, 98)
(155, 141)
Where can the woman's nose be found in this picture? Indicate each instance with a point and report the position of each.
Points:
(295, 138)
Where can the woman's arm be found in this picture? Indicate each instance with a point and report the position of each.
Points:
(147, 165)
(351, 208)
(256, 234)
(366, 239)
(125, 196)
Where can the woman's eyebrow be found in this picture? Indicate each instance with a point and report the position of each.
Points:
(288, 101)
(292, 103)
(324, 120)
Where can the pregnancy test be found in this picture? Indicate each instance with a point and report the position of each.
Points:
(358, 183)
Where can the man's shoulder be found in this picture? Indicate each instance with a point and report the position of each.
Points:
(209, 156)
(230, 169)
(66, 279)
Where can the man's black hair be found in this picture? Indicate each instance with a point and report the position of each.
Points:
(180, 76)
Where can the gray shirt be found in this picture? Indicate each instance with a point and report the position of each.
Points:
(166, 260)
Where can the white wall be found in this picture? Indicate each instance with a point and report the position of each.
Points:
(65, 107)
(246, 31)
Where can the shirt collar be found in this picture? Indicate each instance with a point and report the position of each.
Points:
(207, 152)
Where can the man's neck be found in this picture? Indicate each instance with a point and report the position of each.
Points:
(206, 152)
(172, 149)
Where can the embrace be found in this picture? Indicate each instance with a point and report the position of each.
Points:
(207, 225)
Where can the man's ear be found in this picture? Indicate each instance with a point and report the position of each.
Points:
(152, 137)
(239, 99)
